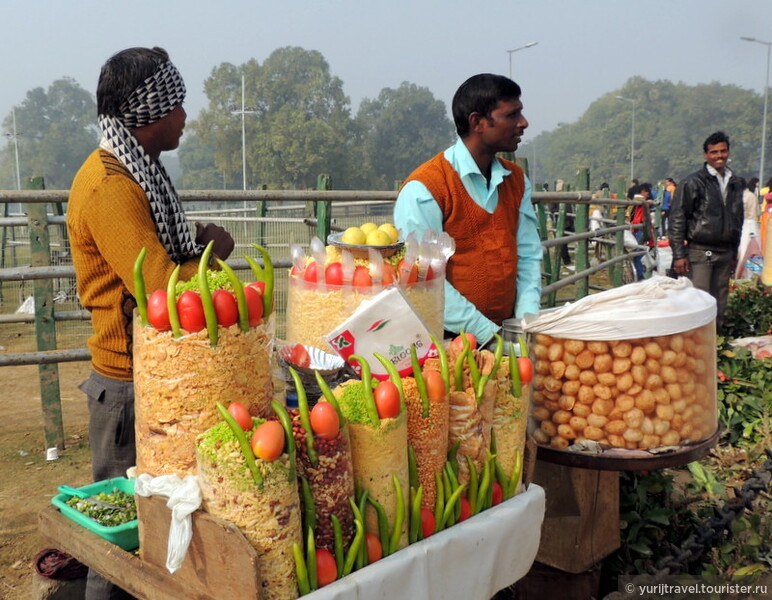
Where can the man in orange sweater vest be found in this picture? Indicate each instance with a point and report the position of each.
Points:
(121, 201)
(484, 203)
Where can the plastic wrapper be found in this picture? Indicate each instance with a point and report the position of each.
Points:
(510, 419)
(178, 382)
(634, 370)
(428, 436)
(331, 482)
(268, 515)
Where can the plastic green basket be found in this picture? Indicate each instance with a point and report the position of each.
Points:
(125, 536)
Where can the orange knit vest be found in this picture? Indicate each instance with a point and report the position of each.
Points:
(484, 267)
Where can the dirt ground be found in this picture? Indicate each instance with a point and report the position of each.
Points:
(27, 480)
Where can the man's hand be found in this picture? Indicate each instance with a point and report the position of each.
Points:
(223, 242)
(681, 266)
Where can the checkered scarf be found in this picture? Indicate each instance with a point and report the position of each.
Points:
(158, 95)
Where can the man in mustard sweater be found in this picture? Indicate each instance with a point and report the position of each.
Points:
(121, 201)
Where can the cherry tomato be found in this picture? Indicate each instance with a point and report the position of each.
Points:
(240, 413)
(333, 275)
(191, 311)
(526, 369)
(435, 386)
(458, 343)
(268, 441)
(429, 274)
(466, 509)
(310, 273)
(374, 548)
(254, 305)
(389, 275)
(295, 272)
(225, 307)
(325, 422)
(428, 523)
(387, 400)
(498, 493)
(158, 311)
(300, 356)
(326, 569)
(259, 286)
(412, 274)
(362, 277)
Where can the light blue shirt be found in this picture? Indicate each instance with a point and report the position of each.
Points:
(416, 210)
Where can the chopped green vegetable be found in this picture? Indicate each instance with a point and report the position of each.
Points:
(108, 517)
(217, 280)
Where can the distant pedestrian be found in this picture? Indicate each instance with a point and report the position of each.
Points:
(667, 200)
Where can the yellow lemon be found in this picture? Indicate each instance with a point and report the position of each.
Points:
(378, 238)
(368, 227)
(391, 231)
(354, 235)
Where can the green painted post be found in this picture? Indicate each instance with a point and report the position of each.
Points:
(45, 326)
(324, 208)
(541, 213)
(619, 249)
(262, 211)
(581, 224)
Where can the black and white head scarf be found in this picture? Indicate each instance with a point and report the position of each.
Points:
(158, 95)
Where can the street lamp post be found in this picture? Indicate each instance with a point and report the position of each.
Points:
(511, 52)
(632, 136)
(243, 112)
(15, 136)
(764, 117)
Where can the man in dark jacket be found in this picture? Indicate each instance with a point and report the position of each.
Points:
(706, 220)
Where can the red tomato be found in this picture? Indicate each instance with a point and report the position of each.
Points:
(458, 343)
(325, 422)
(362, 277)
(466, 509)
(225, 307)
(387, 400)
(254, 305)
(295, 272)
(412, 274)
(526, 369)
(429, 274)
(268, 441)
(389, 275)
(259, 286)
(158, 311)
(333, 275)
(435, 386)
(498, 493)
(310, 273)
(191, 311)
(300, 356)
(374, 548)
(239, 412)
(326, 569)
(428, 523)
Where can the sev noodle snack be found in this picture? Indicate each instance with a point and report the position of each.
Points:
(268, 514)
(177, 383)
(510, 420)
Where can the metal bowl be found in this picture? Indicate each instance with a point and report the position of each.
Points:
(363, 250)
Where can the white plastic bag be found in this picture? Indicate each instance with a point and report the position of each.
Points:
(184, 497)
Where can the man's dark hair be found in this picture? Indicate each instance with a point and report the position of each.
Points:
(715, 138)
(481, 94)
(123, 73)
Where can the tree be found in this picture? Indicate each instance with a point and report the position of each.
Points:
(57, 131)
(401, 129)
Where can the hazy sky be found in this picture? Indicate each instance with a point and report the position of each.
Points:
(586, 48)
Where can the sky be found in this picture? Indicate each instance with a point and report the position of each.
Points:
(585, 48)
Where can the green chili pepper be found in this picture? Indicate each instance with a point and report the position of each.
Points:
(360, 560)
(393, 377)
(419, 382)
(238, 291)
(523, 346)
(453, 456)
(416, 532)
(139, 288)
(313, 581)
(281, 413)
(300, 570)
(269, 280)
(516, 474)
(474, 372)
(399, 519)
(472, 468)
(412, 467)
(443, 356)
(241, 438)
(257, 270)
(309, 508)
(439, 501)
(514, 372)
(337, 535)
(485, 482)
(329, 396)
(383, 525)
(206, 295)
(305, 420)
(459, 370)
(372, 410)
(453, 478)
(353, 550)
(171, 302)
(448, 518)
(497, 355)
(448, 514)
